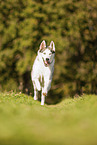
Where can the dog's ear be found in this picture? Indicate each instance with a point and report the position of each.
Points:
(52, 46)
(42, 46)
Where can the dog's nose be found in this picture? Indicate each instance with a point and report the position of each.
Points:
(47, 59)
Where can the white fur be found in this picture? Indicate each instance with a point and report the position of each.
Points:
(42, 71)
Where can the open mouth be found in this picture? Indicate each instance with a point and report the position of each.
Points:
(47, 63)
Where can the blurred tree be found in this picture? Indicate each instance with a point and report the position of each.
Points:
(71, 24)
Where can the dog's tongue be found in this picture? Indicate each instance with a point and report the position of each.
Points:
(47, 62)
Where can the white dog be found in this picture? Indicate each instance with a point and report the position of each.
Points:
(43, 69)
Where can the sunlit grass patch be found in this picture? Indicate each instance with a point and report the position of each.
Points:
(25, 121)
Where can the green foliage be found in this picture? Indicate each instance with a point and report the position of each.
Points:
(71, 24)
(25, 121)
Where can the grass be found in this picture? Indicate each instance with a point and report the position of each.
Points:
(25, 121)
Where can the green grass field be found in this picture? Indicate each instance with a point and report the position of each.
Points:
(25, 121)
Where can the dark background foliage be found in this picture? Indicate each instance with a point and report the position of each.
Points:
(71, 24)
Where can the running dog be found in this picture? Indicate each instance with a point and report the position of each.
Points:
(42, 71)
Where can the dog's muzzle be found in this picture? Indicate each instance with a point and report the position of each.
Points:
(46, 62)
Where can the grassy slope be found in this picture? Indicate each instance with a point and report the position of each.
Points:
(25, 121)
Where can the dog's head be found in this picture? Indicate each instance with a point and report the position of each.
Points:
(47, 53)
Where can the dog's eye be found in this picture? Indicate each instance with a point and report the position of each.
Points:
(50, 53)
(44, 53)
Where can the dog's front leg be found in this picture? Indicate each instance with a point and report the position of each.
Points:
(35, 91)
(43, 98)
(37, 83)
(45, 89)
(35, 95)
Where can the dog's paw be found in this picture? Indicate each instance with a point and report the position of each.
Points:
(42, 103)
(35, 98)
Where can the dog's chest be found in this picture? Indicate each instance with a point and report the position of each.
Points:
(44, 71)
(41, 71)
